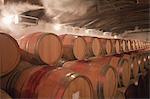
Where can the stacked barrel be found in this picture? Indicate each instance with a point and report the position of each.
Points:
(45, 65)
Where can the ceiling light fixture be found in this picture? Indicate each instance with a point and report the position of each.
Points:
(115, 36)
(7, 20)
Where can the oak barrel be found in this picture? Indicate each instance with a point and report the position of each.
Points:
(144, 44)
(99, 47)
(74, 47)
(109, 47)
(137, 44)
(9, 54)
(22, 79)
(140, 44)
(89, 41)
(129, 43)
(119, 46)
(47, 82)
(113, 43)
(133, 61)
(29, 80)
(4, 95)
(134, 45)
(123, 69)
(69, 84)
(80, 48)
(100, 74)
(68, 43)
(141, 63)
(135, 67)
(125, 45)
(146, 60)
(116, 46)
(41, 48)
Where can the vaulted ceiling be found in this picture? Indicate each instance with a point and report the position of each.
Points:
(108, 15)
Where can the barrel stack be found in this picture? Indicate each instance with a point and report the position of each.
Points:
(45, 65)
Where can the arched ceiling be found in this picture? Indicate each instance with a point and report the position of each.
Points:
(108, 15)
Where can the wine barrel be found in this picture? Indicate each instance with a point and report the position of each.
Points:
(141, 63)
(38, 48)
(89, 41)
(119, 46)
(147, 45)
(135, 67)
(26, 86)
(68, 43)
(133, 44)
(133, 61)
(99, 47)
(57, 83)
(146, 61)
(125, 45)
(23, 78)
(137, 44)
(144, 44)
(74, 47)
(129, 45)
(4, 95)
(123, 69)
(102, 76)
(108, 47)
(116, 46)
(80, 49)
(140, 44)
(9, 54)
(8, 81)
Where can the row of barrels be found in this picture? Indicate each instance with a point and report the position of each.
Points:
(139, 67)
(47, 48)
(98, 78)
